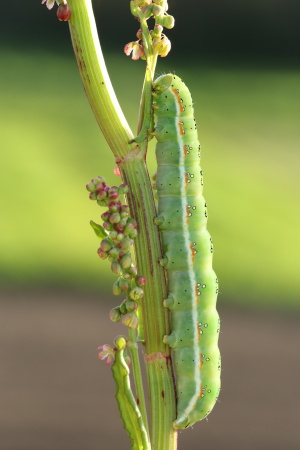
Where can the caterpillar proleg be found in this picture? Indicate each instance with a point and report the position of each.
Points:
(187, 247)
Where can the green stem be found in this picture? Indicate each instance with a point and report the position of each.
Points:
(155, 316)
(137, 374)
(96, 80)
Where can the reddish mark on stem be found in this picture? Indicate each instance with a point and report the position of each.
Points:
(163, 394)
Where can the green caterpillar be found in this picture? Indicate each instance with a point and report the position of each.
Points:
(187, 247)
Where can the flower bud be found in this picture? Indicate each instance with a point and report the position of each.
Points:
(126, 243)
(64, 12)
(136, 293)
(115, 267)
(128, 229)
(113, 235)
(115, 314)
(114, 253)
(139, 34)
(90, 187)
(113, 194)
(102, 254)
(93, 196)
(115, 217)
(130, 320)
(124, 209)
(156, 32)
(123, 284)
(126, 261)
(167, 21)
(142, 2)
(131, 305)
(133, 233)
(132, 271)
(147, 11)
(101, 202)
(106, 245)
(116, 288)
(105, 216)
(140, 280)
(120, 236)
(123, 308)
(108, 226)
(157, 11)
(162, 47)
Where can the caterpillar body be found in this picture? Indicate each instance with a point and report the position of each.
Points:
(187, 248)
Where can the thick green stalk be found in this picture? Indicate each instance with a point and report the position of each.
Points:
(155, 316)
(95, 78)
(131, 160)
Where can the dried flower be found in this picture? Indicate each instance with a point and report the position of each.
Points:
(107, 353)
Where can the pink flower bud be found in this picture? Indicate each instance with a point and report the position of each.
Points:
(140, 280)
(102, 254)
(126, 261)
(105, 216)
(136, 293)
(131, 305)
(123, 308)
(93, 196)
(114, 253)
(117, 171)
(64, 12)
(130, 320)
(105, 245)
(116, 288)
(132, 271)
(90, 187)
(157, 11)
(135, 48)
(115, 218)
(115, 267)
(123, 284)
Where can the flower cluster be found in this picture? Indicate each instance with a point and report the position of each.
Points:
(119, 230)
(157, 9)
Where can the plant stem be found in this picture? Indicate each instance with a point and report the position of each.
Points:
(95, 78)
(155, 316)
(131, 160)
(137, 374)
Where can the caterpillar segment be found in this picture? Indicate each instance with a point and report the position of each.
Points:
(187, 247)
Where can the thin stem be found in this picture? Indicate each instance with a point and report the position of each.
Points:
(137, 374)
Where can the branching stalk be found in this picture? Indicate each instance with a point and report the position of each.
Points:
(131, 159)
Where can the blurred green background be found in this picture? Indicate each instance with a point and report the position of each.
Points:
(241, 65)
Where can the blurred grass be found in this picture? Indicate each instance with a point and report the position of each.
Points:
(248, 122)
